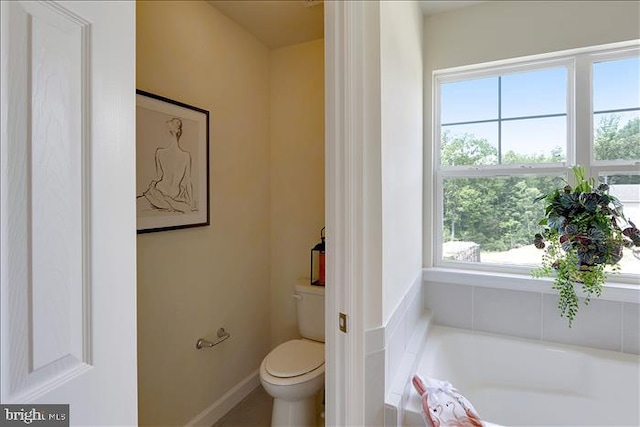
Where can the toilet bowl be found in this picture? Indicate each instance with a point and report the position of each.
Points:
(293, 372)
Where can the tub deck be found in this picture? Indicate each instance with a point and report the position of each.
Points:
(513, 381)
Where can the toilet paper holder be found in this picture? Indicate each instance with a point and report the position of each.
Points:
(222, 335)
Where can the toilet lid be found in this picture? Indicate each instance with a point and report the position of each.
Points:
(294, 358)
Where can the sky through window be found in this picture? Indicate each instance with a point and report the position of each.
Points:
(474, 106)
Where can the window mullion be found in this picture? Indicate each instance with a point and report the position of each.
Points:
(499, 120)
(493, 172)
(583, 126)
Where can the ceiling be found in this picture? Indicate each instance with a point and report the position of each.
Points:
(433, 7)
(278, 23)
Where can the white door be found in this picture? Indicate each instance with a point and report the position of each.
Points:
(67, 208)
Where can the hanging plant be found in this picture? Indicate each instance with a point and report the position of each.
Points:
(585, 230)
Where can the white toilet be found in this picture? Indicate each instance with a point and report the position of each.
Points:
(293, 372)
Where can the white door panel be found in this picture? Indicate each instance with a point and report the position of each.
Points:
(67, 208)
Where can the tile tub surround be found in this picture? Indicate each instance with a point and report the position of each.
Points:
(630, 334)
(397, 332)
(386, 350)
(603, 324)
(400, 387)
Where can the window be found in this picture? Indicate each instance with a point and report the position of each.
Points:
(505, 134)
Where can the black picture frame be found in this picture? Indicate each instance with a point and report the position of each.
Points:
(172, 164)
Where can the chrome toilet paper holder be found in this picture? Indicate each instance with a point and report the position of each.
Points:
(222, 336)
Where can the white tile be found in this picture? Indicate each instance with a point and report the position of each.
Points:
(404, 315)
(415, 311)
(398, 329)
(374, 388)
(631, 328)
(374, 340)
(391, 415)
(502, 311)
(395, 351)
(419, 333)
(396, 320)
(403, 372)
(451, 304)
(598, 325)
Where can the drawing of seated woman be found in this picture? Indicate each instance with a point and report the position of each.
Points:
(172, 190)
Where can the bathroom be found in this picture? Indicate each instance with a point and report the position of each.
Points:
(267, 206)
(333, 132)
(266, 215)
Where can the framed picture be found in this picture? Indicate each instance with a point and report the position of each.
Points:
(172, 177)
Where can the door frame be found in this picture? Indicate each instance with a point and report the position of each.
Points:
(352, 92)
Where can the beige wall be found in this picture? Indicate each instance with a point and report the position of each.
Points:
(498, 30)
(193, 281)
(297, 174)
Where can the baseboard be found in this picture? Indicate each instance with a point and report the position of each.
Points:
(220, 407)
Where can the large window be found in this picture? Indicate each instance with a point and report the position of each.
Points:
(505, 134)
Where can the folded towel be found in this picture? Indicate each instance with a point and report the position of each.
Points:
(444, 406)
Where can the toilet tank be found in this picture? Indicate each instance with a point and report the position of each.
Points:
(310, 310)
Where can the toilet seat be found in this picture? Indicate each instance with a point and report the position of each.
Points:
(294, 358)
(310, 376)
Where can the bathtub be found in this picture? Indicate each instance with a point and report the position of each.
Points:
(519, 382)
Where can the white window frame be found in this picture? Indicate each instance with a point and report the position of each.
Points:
(579, 110)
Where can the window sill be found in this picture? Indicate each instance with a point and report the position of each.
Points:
(622, 292)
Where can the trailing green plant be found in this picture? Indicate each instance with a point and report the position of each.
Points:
(586, 230)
